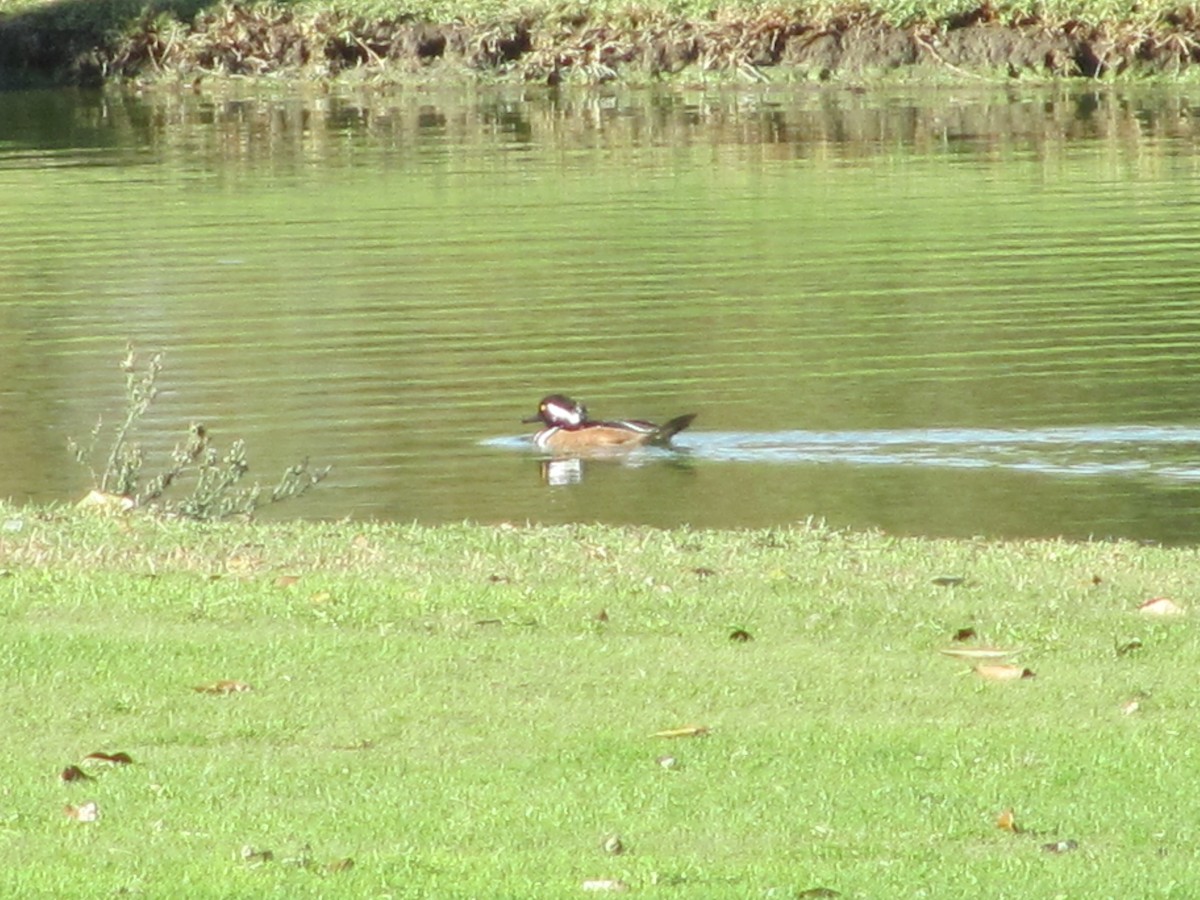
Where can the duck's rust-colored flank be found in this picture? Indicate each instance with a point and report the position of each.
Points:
(568, 429)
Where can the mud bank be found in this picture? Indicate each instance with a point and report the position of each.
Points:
(235, 40)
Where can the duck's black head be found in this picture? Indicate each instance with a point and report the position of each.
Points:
(558, 411)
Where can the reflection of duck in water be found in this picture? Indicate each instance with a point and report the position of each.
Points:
(569, 430)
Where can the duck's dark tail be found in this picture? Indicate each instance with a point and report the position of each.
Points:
(668, 430)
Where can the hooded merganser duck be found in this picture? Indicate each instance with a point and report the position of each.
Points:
(568, 428)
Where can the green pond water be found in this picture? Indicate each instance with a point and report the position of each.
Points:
(939, 311)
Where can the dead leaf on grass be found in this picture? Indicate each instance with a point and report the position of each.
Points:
(361, 745)
(1007, 821)
(978, 654)
(949, 580)
(106, 503)
(685, 731)
(1133, 705)
(741, 636)
(286, 581)
(256, 857)
(614, 885)
(85, 812)
(1128, 647)
(1003, 673)
(818, 892)
(340, 865)
(964, 634)
(1160, 606)
(1061, 846)
(74, 773)
(223, 687)
(112, 759)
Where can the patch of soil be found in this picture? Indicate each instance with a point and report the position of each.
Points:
(1009, 49)
(253, 40)
(858, 49)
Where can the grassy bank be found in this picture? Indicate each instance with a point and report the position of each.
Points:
(470, 711)
(551, 41)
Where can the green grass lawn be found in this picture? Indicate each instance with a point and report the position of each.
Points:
(448, 708)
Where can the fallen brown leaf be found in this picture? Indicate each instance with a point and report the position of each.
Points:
(1128, 647)
(741, 636)
(107, 503)
(340, 865)
(1160, 606)
(112, 759)
(685, 731)
(223, 687)
(286, 581)
(1003, 673)
(615, 885)
(361, 745)
(1061, 846)
(971, 654)
(949, 580)
(85, 812)
(1007, 821)
(74, 773)
(256, 857)
(964, 634)
(1133, 702)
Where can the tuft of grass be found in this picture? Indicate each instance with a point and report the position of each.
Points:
(447, 708)
(553, 41)
(103, 16)
(216, 477)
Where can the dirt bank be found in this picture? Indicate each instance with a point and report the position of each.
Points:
(583, 47)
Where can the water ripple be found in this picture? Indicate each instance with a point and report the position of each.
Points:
(1166, 452)
(1169, 452)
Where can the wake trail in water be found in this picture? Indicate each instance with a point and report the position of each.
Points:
(1165, 452)
(1168, 452)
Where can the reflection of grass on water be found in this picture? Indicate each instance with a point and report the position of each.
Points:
(470, 711)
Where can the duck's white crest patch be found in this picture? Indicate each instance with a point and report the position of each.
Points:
(568, 415)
